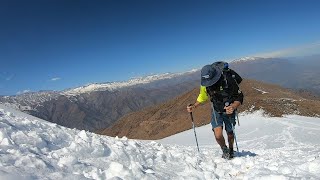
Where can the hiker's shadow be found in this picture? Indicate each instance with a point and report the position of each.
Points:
(245, 154)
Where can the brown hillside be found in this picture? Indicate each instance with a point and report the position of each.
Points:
(171, 117)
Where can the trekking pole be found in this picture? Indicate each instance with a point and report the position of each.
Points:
(234, 78)
(237, 117)
(194, 129)
(234, 134)
(233, 129)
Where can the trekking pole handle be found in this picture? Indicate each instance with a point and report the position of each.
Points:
(191, 112)
(191, 104)
(227, 104)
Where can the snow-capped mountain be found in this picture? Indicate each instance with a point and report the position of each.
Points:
(29, 100)
(112, 86)
(97, 106)
(246, 59)
(269, 148)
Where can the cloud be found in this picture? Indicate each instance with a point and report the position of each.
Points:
(22, 92)
(55, 79)
(9, 78)
(301, 50)
(6, 76)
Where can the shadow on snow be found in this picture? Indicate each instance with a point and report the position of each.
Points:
(245, 153)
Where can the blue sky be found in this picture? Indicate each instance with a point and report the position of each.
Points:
(55, 44)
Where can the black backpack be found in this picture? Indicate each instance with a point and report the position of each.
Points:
(227, 90)
(226, 71)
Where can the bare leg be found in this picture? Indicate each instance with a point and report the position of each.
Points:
(230, 140)
(219, 136)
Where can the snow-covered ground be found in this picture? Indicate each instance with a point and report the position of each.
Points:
(270, 148)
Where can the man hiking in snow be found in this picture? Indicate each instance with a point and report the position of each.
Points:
(220, 84)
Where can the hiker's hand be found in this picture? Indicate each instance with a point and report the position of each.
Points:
(229, 109)
(190, 107)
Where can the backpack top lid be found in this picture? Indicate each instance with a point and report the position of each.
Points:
(221, 65)
(225, 70)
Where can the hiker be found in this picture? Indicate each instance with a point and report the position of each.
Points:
(221, 85)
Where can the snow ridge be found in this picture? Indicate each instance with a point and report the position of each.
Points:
(246, 59)
(111, 86)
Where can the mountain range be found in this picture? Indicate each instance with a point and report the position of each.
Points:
(296, 73)
(99, 105)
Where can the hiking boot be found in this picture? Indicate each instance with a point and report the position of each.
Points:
(231, 153)
(225, 153)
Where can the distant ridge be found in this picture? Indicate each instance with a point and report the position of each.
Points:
(99, 105)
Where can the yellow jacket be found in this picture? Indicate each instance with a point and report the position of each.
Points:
(203, 95)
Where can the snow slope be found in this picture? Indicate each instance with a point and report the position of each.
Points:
(270, 148)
